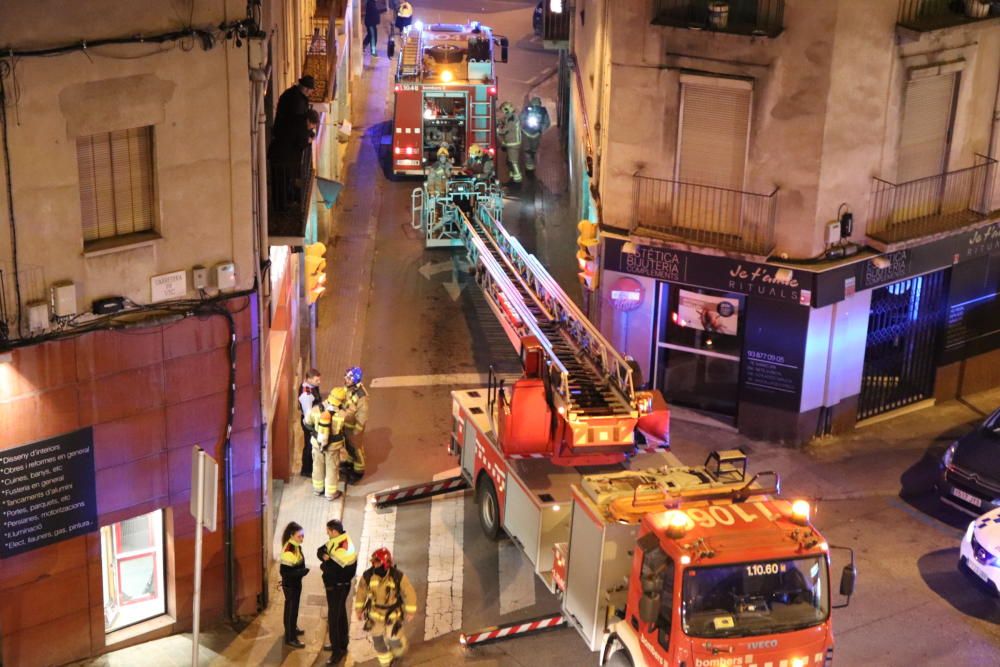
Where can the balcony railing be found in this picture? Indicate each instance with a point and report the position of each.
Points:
(289, 192)
(932, 205)
(718, 217)
(744, 17)
(320, 59)
(555, 24)
(929, 15)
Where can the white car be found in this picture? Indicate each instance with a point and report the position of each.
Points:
(980, 550)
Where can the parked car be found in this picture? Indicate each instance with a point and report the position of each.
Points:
(980, 550)
(970, 469)
(536, 19)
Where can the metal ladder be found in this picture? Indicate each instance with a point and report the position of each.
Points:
(409, 59)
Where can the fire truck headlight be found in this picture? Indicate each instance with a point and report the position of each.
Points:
(685, 560)
(800, 512)
(447, 76)
(677, 523)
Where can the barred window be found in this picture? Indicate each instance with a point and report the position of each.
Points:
(117, 189)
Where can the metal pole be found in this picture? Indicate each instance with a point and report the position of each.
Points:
(196, 604)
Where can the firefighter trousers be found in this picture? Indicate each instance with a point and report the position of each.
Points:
(530, 145)
(514, 162)
(326, 470)
(355, 456)
(389, 642)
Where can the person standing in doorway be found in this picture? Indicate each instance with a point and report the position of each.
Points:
(293, 569)
(309, 396)
(339, 563)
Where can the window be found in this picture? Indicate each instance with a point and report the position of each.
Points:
(713, 133)
(117, 189)
(132, 567)
(928, 112)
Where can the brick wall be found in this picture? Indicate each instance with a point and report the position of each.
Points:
(150, 394)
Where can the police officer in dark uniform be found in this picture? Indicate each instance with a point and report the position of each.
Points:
(339, 563)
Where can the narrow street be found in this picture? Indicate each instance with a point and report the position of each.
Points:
(417, 324)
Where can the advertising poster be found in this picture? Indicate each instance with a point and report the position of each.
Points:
(714, 314)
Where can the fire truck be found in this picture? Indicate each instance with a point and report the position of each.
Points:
(655, 562)
(444, 93)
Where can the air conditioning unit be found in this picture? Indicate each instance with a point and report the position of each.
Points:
(38, 316)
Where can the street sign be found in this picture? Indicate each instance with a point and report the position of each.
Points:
(209, 496)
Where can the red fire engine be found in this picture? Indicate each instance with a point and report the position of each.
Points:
(656, 563)
(445, 93)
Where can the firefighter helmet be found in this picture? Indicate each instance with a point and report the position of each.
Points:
(535, 102)
(337, 397)
(507, 108)
(405, 10)
(443, 151)
(353, 375)
(475, 150)
(382, 558)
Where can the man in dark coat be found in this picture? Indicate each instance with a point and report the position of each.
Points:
(290, 137)
(373, 16)
(339, 563)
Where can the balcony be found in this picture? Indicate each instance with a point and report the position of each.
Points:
(289, 193)
(732, 220)
(320, 59)
(556, 18)
(938, 204)
(920, 16)
(759, 18)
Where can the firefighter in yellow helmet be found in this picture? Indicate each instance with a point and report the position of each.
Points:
(385, 600)
(438, 173)
(509, 134)
(480, 164)
(328, 445)
(356, 419)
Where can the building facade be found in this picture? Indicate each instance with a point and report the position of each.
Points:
(798, 201)
(148, 306)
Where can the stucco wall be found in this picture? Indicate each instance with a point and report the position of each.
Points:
(198, 104)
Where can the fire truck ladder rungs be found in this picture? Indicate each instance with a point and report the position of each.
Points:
(511, 630)
(418, 491)
(410, 56)
(593, 379)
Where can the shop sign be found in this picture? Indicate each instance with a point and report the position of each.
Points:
(47, 492)
(886, 269)
(721, 273)
(773, 354)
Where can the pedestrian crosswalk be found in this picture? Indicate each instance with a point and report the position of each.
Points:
(379, 531)
(443, 610)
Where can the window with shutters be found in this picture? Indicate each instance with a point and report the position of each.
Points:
(928, 111)
(714, 129)
(117, 188)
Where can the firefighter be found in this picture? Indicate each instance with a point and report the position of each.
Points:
(328, 446)
(509, 134)
(385, 599)
(339, 563)
(438, 174)
(404, 16)
(356, 419)
(309, 396)
(293, 569)
(480, 164)
(534, 121)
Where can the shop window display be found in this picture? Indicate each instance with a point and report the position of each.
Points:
(132, 566)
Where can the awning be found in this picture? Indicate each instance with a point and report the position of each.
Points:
(329, 190)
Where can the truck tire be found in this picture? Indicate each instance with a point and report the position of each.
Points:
(489, 508)
(619, 659)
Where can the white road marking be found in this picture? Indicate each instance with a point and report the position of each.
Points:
(517, 578)
(379, 530)
(445, 561)
(475, 379)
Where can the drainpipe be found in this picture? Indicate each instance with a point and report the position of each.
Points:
(994, 140)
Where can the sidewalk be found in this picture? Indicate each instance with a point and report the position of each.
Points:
(340, 336)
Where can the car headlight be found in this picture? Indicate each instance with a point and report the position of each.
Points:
(949, 454)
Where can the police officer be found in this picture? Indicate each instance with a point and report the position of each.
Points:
(339, 563)
(385, 599)
(293, 569)
(509, 134)
(356, 419)
(534, 121)
(309, 396)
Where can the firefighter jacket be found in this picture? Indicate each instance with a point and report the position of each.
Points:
(534, 120)
(329, 436)
(293, 565)
(482, 167)
(385, 596)
(509, 130)
(357, 408)
(342, 565)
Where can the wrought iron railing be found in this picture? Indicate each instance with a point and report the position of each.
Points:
(555, 24)
(706, 215)
(927, 15)
(744, 17)
(952, 200)
(289, 191)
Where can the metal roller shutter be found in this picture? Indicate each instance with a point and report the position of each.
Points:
(116, 182)
(926, 132)
(714, 128)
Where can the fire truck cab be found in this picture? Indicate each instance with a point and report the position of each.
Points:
(445, 93)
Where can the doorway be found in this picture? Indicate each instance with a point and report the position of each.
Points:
(696, 360)
(132, 571)
(904, 326)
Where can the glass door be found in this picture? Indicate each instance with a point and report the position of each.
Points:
(132, 560)
(699, 340)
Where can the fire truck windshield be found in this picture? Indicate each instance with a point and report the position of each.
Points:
(758, 598)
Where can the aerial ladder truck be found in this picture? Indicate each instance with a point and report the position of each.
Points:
(655, 562)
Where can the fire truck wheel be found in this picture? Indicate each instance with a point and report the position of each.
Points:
(619, 659)
(489, 508)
